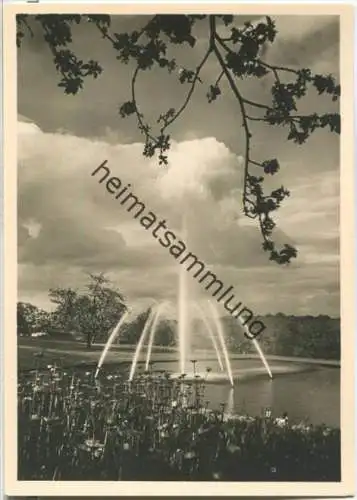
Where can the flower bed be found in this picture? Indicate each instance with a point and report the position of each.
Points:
(72, 427)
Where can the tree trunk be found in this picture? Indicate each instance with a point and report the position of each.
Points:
(89, 340)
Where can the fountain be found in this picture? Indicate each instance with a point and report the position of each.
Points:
(216, 336)
(213, 328)
(190, 188)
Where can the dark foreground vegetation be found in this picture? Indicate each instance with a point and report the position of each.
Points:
(72, 427)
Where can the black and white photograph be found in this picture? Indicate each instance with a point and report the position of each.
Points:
(178, 296)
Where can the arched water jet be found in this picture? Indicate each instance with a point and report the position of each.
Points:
(258, 349)
(140, 344)
(110, 340)
(211, 334)
(152, 332)
(230, 402)
(262, 357)
(222, 341)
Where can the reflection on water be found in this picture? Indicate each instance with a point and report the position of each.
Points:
(313, 395)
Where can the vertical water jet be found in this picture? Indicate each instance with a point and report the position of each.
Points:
(182, 309)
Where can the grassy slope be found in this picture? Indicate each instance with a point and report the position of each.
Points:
(69, 353)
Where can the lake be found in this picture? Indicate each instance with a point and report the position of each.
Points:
(312, 395)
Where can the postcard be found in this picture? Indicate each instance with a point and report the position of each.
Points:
(179, 235)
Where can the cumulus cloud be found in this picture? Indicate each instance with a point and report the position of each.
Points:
(68, 221)
(199, 168)
(67, 218)
(26, 126)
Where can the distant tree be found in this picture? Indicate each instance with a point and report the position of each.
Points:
(92, 313)
(43, 320)
(240, 53)
(133, 329)
(103, 308)
(31, 318)
(25, 318)
(165, 334)
(64, 316)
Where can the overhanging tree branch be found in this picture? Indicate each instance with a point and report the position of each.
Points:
(239, 56)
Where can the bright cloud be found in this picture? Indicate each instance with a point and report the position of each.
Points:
(72, 225)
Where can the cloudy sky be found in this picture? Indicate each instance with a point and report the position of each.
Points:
(69, 225)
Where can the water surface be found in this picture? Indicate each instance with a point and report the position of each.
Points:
(312, 395)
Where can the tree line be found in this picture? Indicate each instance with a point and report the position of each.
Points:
(90, 316)
(91, 313)
(288, 335)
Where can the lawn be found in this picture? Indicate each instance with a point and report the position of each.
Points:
(72, 353)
